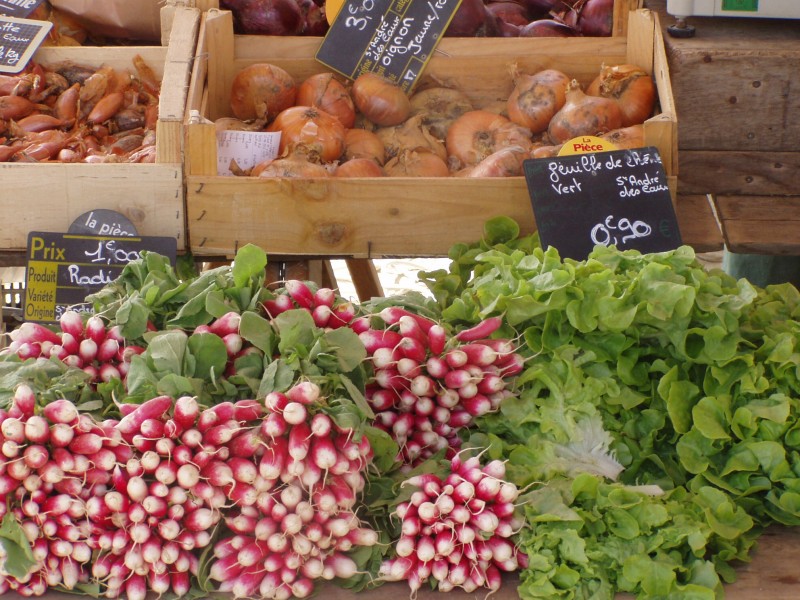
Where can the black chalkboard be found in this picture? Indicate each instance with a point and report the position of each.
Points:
(617, 198)
(393, 38)
(103, 221)
(62, 269)
(18, 8)
(19, 39)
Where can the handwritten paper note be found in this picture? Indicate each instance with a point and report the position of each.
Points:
(245, 149)
(618, 198)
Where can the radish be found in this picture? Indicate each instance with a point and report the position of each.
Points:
(154, 408)
(227, 323)
(300, 293)
(304, 392)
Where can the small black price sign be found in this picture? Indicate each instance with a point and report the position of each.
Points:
(19, 39)
(18, 8)
(617, 198)
(62, 269)
(393, 38)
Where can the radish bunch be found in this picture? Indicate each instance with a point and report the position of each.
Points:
(328, 310)
(100, 351)
(53, 467)
(226, 327)
(165, 501)
(427, 385)
(456, 532)
(294, 519)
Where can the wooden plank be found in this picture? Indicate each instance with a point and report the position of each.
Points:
(734, 83)
(739, 173)
(760, 224)
(365, 278)
(698, 225)
(221, 68)
(178, 64)
(150, 195)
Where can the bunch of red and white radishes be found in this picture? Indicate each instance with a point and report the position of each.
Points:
(456, 531)
(427, 385)
(101, 351)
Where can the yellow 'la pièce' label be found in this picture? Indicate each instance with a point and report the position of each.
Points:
(585, 144)
(332, 8)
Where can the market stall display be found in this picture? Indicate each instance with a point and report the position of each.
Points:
(654, 414)
(47, 195)
(315, 216)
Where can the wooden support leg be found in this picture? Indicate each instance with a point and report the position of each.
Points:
(365, 278)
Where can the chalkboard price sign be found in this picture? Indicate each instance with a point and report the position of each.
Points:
(393, 38)
(617, 198)
(62, 269)
(19, 39)
(18, 8)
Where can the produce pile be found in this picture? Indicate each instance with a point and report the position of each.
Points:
(372, 128)
(622, 423)
(473, 18)
(70, 113)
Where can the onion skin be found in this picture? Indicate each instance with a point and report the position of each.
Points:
(547, 28)
(536, 98)
(359, 167)
(324, 91)
(470, 20)
(360, 143)
(506, 162)
(410, 135)
(413, 163)
(479, 133)
(261, 91)
(439, 107)
(296, 165)
(266, 17)
(626, 137)
(583, 115)
(596, 18)
(307, 128)
(631, 86)
(380, 100)
(510, 12)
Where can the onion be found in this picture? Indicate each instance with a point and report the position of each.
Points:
(478, 133)
(323, 90)
(411, 135)
(541, 7)
(547, 28)
(261, 91)
(380, 100)
(360, 143)
(234, 124)
(545, 151)
(583, 115)
(596, 18)
(266, 17)
(316, 23)
(318, 134)
(537, 98)
(510, 12)
(295, 165)
(359, 167)
(413, 163)
(631, 86)
(439, 107)
(626, 137)
(506, 162)
(471, 19)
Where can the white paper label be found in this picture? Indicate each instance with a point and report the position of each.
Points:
(246, 148)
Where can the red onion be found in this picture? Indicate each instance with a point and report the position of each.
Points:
(596, 18)
(541, 7)
(315, 22)
(510, 12)
(470, 20)
(267, 17)
(547, 28)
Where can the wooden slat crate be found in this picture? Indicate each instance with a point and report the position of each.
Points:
(48, 197)
(375, 217)
(735, 88)
(619, 28)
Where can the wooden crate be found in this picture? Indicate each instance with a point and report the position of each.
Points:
(735, 88)
(48, 197)
(377, 217)
(619, 28)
